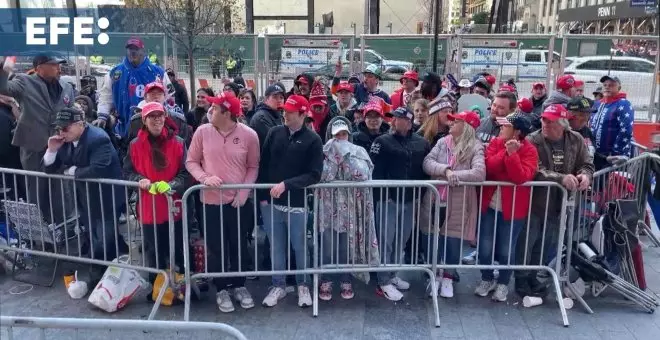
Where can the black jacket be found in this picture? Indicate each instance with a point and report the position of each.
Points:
(181, 96)
(9, 154)
(398, 157)
(95, 158)
(295, 159)
(364, 138)
(263, 120)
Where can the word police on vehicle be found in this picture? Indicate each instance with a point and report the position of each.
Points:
(83, 29)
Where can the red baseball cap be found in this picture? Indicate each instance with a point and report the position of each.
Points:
(579, 83)
(555, 112)
(538, 84)
(344, 86)
(229, 101)
(565, 82)
(469, 117)
(296, 103)
(412, 75)
(506, 88)
(154, 85)
(134, 41)
(525, 105)
(152, 107)
(491, 80)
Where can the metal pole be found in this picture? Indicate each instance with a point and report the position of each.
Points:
(436, 29)
(551, 50)
(654, 88)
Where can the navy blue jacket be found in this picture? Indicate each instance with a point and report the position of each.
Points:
(94, 158)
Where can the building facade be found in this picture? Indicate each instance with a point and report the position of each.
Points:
(608, 17)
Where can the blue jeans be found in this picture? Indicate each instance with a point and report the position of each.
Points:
(335, 252)
(394, 229)
(453, 250)
(503, 240)
(282, 228)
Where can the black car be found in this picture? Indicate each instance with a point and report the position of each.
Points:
(328, 71)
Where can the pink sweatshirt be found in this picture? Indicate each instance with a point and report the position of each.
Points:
(233, 157)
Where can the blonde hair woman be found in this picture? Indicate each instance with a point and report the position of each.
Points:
(421, 112)
(436, 125)
(458, 157)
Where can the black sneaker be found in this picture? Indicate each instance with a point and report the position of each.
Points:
(538, 289)
(522, 286)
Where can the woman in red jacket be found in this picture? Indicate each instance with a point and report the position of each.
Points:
(156, 160)
(509, 158)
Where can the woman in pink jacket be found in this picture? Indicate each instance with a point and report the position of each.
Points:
(458, 157)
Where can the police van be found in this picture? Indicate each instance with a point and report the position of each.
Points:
(506, 60)
(302, 55)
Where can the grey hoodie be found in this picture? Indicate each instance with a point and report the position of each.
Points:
(328, 132)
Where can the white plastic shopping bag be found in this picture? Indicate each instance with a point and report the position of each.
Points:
(117, 287)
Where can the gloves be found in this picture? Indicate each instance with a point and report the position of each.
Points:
(70, 171)
(160, 188)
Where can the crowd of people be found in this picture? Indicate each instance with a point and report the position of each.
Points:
(134, 129)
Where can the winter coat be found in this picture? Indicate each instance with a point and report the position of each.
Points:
(349, 210)
(362, 137)
(263, 120)
(139, 165)
(461, 201)
(612, 127)
(577, 161)
(517, 168)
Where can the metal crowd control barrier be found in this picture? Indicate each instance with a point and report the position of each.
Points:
(628, 181)
(538, 240)
(351, 214)
(60, 218)
(95, 327)
(269, 211)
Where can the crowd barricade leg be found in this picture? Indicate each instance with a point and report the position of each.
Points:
(87, 229)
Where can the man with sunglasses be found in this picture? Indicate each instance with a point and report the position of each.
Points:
(86, 152)
(124, 86)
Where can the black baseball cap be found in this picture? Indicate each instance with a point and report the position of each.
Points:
(45, 58)
(274, 89)
(68, 116)
(598, 90)
(579, 105)
(612, 78)
(403, 112)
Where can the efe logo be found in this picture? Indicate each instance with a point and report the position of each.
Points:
(82, 29)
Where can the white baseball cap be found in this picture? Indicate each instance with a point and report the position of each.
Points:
(338, 126)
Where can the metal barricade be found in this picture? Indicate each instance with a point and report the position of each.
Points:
(526, 58)
(59, 218)
(288, 224)
(287, 56)
(588, 57)
(588, 219)
(73, 328)
(525, 246)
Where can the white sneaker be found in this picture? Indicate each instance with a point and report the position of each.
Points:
(390, 292)
(224, 301)
(274, 295)
(399, 283)
(501, 293)
(447, 288)
(429, 290)
(242, 295)
(470, 259)
(485, 287)
(304, 298)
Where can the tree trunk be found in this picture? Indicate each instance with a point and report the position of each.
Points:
(191, 73)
